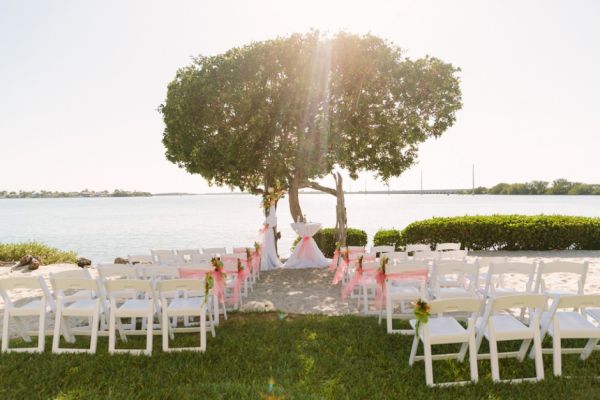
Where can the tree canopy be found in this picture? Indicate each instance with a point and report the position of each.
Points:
(290, 110)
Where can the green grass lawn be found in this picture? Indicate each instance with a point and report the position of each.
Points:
(308, 357)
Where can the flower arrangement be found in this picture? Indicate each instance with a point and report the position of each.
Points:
(257, 247)
(383, 263)
(271, 196)
(422, 313)
(359, 263)
(209, 283)
(218, 266)
(240, 266)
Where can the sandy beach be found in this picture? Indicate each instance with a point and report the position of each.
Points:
(310, 290)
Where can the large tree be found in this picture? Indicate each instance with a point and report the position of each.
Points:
(289, 111)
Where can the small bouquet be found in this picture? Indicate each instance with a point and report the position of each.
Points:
(209, 283)
(257, 247)
(421, 313)
(240, 266)
(359, 263)
(271, 197)
(218, 266)
(383, 263)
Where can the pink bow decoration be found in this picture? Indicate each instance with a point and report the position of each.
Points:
(381, 277)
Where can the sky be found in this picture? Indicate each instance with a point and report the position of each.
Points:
(81, 81)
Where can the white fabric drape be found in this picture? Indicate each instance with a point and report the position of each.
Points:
(269, 259)
(307, 253)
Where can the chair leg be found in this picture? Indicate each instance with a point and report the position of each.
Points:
(523, 349)
(165, 331)
(203, 328)
(42, 329)
(539, 361)
(111, 331)
(149, 332)
(589, 347)
(21, 329)
(57, 327)
(413, 350)
(389, 310)
(428, 364)
(556, 354)
(5, 337)
(494, 359)
(473, 358)
(95, 327)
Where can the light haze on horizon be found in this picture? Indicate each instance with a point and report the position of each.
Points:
(80, 84)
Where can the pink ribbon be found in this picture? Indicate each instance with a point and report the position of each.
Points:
(380, 278)
(305, 248)
(334, 260)
(240, 275)
(218, 287)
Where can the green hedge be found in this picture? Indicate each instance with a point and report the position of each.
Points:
(506, 232)
(388, 237)
(46, 254)
(325, 239)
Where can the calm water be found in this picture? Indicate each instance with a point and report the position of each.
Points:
(104, 228)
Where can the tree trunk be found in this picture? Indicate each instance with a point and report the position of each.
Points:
(341, 223)
(294, 201)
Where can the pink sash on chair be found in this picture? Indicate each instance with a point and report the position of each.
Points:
(381, 277)
(219, 285)
(239, 274)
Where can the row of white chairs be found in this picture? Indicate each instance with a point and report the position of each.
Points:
(103, 303)
(568, 317)
(180, 257)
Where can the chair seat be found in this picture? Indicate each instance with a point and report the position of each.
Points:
(574, 325)
(186, 303)
(81, 307)
(594, 313)
(30, 308)
(133, 307)
(508, 327)
(443, 330)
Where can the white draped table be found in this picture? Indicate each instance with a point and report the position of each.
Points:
(307, 253)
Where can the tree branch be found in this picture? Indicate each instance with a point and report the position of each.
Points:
(320, 188)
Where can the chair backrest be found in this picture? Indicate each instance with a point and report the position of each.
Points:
(64, 284)
(230, 261)
(193, 272)
(497, 271)
(80, 273)
(457, 269)
(200, 258)
(396, 255)
(452, 255)
(167, 287)
(214, 251)
(447, 246)
(185, 255)
(120, 286)
(580, 301)
(106, 271)
(156, 272)
(242, 249)
(455, 305)
(534, 301)
(415, 247)
(165, 257)
(578, 269)
(425, 255)
(22, 282)
(140, 259)
(376, 250)
(407, 271)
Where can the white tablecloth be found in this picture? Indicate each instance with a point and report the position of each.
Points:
(307, 253)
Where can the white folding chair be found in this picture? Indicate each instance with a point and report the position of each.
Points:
(114, 271)
(130, 308)
(454, 279)
(447, 246)
(165, 257)
(376, 250)
(188, 306)
(193, 272)
(456, 255)
(425, 255)
(79, 273)
(497, 273)
(34, 308)
(442, 329)
(68, 306)
(498, 324)
(571, 325)
(484, 263)
(396, 256)
(415, 248)
(213, 251)
(404, 283)
(577, 270)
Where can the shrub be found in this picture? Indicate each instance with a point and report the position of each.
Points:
(47, 254)
(387, 237)
(325, 239)
(508, 232)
